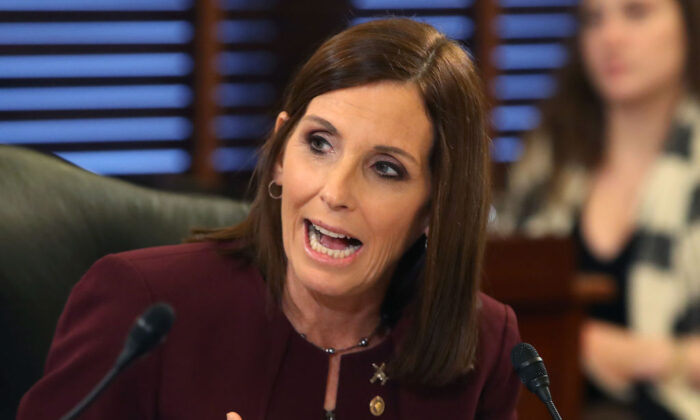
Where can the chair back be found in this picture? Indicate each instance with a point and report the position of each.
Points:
(56, 220)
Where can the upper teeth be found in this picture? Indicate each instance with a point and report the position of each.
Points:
(329, 233)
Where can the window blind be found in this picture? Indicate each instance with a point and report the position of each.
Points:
(104, 84)
(452, 17)
(247, 64)
(531, 34)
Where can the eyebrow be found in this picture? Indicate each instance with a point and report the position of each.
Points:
(390, 149)
(382, 149)
(325, 123)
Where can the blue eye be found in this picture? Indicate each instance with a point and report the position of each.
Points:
(388, 170)
(318, 144)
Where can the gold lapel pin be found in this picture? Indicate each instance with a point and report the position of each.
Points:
(376, 406)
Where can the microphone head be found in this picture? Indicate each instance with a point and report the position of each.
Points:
(530, 367)
(149, 330)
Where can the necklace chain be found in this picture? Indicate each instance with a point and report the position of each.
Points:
(362, 342)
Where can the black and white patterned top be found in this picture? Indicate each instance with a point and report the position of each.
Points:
(663, 293)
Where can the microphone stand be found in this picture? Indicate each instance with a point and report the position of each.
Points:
(552, 410)
(92, 396)
(149, 330)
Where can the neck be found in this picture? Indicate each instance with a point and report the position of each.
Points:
(639, 128)
(328, 321)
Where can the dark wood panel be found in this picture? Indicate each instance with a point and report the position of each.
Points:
(206, 80)
(537, 278)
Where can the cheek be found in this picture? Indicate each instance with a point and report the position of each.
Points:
(299, 182)
(668, 55)
(591, 53)
(298, 188)
(396, 220)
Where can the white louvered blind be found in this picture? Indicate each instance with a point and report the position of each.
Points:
(104, 84)
(531, 46)
(247, 64)
(108, 84)
(452, 17)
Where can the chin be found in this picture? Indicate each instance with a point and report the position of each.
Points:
(626, 91)
(325, 282)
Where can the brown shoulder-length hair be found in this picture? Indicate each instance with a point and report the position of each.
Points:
(573, 119)
(440, 346)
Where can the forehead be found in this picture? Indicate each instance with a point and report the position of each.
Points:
(618, 3)
(386, 113)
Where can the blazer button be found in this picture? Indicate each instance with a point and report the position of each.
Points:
(376, 406)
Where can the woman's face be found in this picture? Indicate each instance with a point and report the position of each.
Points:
(633, 48)
(355, 180)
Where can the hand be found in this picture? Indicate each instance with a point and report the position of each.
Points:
(233, 416)
(617, 357)
(598, 362)
(689, 355)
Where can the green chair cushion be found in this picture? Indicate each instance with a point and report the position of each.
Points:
(56, 220)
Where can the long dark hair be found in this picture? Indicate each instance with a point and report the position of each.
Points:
(573, 120)
(441, 344)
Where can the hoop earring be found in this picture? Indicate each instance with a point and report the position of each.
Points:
(269, 191)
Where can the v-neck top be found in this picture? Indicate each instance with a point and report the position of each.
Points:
(617, 267)
(231, 349)
(615, 311)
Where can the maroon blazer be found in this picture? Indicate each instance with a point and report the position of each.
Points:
(227, 351)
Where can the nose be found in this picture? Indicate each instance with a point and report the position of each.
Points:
(338, 188)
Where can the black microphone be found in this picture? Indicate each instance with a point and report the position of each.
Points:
(149, 330)
(530, 368)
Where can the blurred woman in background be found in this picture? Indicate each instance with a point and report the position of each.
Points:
(616, 163)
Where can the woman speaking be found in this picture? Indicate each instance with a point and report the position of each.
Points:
(351, 291)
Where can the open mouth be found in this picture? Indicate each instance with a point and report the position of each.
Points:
(333, 244)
